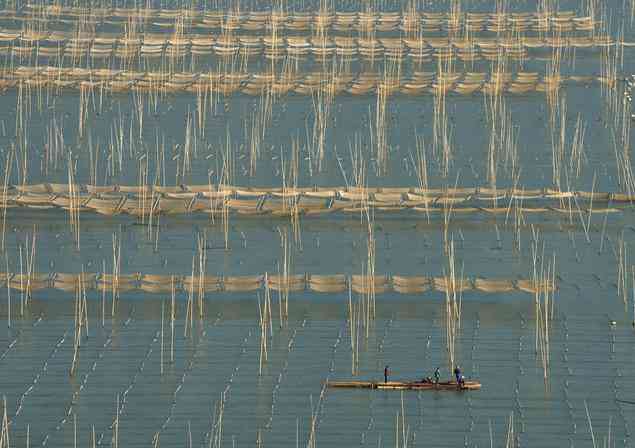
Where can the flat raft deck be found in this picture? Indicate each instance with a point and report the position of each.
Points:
(405, 385)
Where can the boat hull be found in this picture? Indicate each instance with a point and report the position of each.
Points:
(405, 385)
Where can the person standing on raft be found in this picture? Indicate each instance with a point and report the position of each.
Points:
(437, 376)
(457, 374)
(386, 372)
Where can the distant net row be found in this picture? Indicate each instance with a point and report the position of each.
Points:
(59, 44)
(148, 201)
(339, 283)
(390, 194)
(405, 21)
(418, 83)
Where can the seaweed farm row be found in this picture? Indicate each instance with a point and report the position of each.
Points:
(411, 22)
(322, 283)
(418, 84)
(149, 201)
(418, 51)
(56, 44)
(382, 194)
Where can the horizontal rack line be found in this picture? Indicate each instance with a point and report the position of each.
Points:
(337, 283)
(214, 199)
(420, 83)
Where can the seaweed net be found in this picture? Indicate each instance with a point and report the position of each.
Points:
(212, 199)
(322, 21)
(329, 284)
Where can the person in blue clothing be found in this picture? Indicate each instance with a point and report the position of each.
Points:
(386, 372)
(457, 374)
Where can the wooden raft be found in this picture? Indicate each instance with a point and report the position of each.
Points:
(405, 385)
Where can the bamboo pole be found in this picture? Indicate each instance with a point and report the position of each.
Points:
(162, 344)
(172, 317)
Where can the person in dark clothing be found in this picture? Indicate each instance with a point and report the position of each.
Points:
(457, 374)
(437, 375)
(386, 372)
